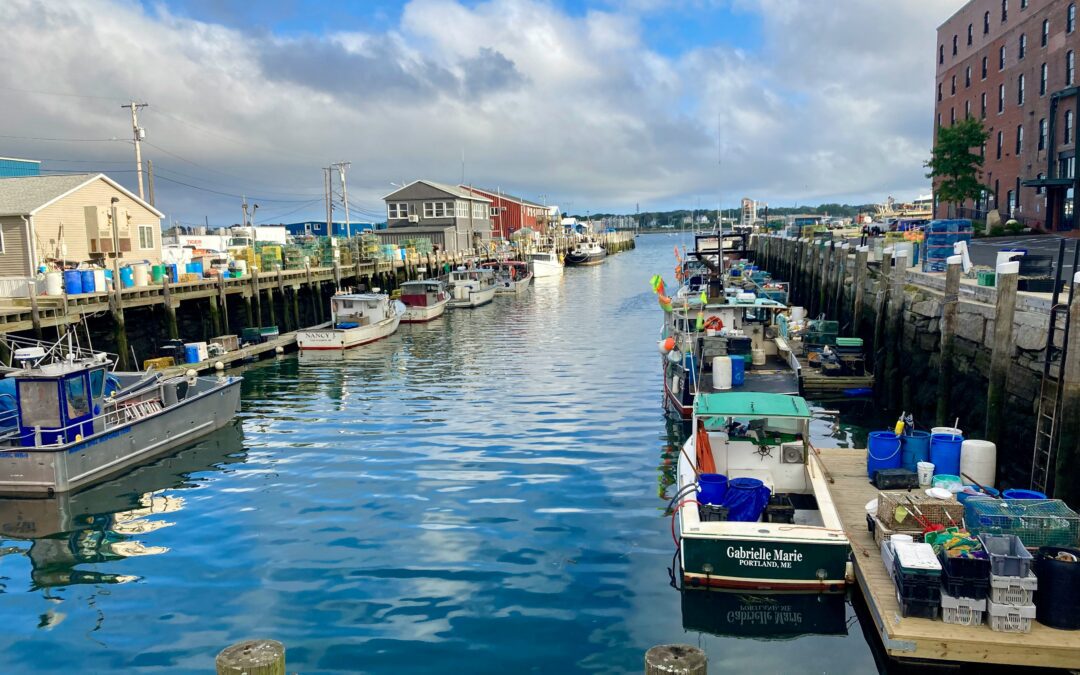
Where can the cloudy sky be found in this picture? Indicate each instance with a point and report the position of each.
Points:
(597, 105)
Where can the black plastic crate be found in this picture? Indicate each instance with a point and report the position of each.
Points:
(779, 510)
(959, 587)
(896, 479)
(921, 609)
(924, 587)
(870, 523)
(965, 577)
(1035, 284)
(711, 513)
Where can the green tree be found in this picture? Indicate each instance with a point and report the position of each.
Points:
(954, 167)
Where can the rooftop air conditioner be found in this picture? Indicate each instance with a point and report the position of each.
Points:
(413, 218)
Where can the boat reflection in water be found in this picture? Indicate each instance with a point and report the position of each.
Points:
(103, 523)
(764, 615)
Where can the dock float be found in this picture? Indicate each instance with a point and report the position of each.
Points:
(238, 356)
(924, 639)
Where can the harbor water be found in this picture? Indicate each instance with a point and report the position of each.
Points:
(483, 493)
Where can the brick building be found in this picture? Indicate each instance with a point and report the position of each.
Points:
(1012, 63)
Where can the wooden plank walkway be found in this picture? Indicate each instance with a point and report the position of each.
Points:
(910, 638)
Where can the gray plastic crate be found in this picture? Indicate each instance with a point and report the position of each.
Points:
(962, 611)
(1008, 557)
(1013, 590)
(1010, 618)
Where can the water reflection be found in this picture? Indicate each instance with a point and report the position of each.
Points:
(762, 615)
(105, 523)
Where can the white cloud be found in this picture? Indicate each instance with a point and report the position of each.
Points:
(835, 103)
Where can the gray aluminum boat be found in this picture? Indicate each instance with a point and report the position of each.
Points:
(70, 423)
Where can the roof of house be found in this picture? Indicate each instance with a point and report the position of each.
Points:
(26, 195)
(448, 189)
(501, 195)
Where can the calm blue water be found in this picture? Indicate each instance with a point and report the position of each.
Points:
(480, 494)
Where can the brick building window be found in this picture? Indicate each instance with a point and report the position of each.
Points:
(1004, 11)
(984, 62)
(955, 42)
(1001, 98)
(1022, 47)
(1070, 67)
(938, 91)
(1045, 32)
(986, 23)
(1039, 176)
(971, 32)
(1019, 138)
(1001, 58)
(1012, 202)
(939, 119)
(967, 110)
(1023, 4)
(1067, 134)
(1042, 134)
(952, 116)
(1000, 142)
(1042, 80)
(982, 107)
(1020, 89)
(1070, 18)
(952, 90)
(941, 54)
(967, 77)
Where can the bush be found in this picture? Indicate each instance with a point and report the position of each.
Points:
(1013, 227)
(997, 230)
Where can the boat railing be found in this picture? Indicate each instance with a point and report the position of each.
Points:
(54, 352)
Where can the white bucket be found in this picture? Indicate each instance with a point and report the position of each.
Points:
(721, 373)
(798, 313)
(952, 431)
(757, 357)
(926, 473)
(99, 280)
(141, 274)
(54, 283)
(711, 332)
(978, 459)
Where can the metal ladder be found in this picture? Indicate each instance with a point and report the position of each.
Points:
(142, 409)
(1046, 427)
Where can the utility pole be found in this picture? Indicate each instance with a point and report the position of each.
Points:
(139, 134)
(328, 192)
(341, 167)
(150, 180)
(243, 205)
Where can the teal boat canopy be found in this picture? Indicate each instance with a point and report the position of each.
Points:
(750, 404)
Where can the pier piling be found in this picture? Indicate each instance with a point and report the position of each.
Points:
(859, 276)
(1002, 351)
(948, 341)
(252, 657)
(675, 660)
(1067, 464)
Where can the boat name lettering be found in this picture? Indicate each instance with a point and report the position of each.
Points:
(764, 557)
(762, 617)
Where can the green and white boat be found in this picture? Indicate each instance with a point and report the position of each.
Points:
(761, 436)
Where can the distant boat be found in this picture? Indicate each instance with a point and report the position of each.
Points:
(471, 287)
(586, 253)
(424, 300)
(511, 277)
(545, 264)
(356, 319)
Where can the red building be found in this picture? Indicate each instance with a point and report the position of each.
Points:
(509, 213)
(1012, 64)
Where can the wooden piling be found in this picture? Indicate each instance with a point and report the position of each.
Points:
(257, 298)
(826, 275)
(840, 283)
(948, 342)
(859, 282)
(170, 309)
(296, 307)
(35, 310)
(215, 317)
(252, 657)
(880, 304)
(271, 311)
(1067, 463)
(224, 307)
(1002, 352)
(676, 660)
(894, 329)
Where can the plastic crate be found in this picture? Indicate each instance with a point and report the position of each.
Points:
(1013, 590)
(896, 479)
(921, 609)
(1010, 618)
(888, 558)
(917, 572)
(883, 533)
(1037, 522)
(962, 611)
(1008, 557)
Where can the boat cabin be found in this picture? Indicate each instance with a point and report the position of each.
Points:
(475, 275)
(59, 402)
(353, 310)
(422, 293)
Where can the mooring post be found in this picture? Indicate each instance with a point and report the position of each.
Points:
(35, 311)
(252, 657)
(841, 281)
(948, 334)
(1067, 464)
(894, 328)
(296, 306)
(286, 324)
(1007, 277)
(257, 297)
(170, 309)
(676, 660)
(826, 277)
(215, 317)
(271, 311)
(880, 306)
(224, 306)
(859, 282)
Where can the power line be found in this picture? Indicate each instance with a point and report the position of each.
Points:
(227, 175)
(229, 194)
(57, 93)
(289, 213)
(67, 140)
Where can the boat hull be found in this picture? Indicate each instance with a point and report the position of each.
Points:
(582, 260)
(346, 338)
(50, 470)
(422, 314)
(543, 268)
(471, 298)
(739, 561)
(513, 287)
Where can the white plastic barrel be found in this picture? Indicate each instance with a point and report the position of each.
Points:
(240, 266)
(757, 357)
(798, 313)
(141, 274)
(953, 431)
(99, 280)
(721, 373)
(978, 459)
(925, 471)
(54, 283)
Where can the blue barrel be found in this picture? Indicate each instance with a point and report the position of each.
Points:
(711, 488)
(174, 273)
(738, 370)
(945, 453)
(1022, 494)
(914, 448)
(691, 365)
(127, 277)
(882, 452)
(73, 282)
(88, 284)
(191, 353)
(746, 499)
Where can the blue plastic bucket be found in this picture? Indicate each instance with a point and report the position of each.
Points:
(127, 277)
(88, 283)
(1023, 494)
(945, 453)
(746, 499)
(73, 282)
(191, 353)
(711, 488)
(882, 452)
(914, 448)
(738, 370)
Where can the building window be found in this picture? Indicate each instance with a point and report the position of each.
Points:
(1070, 67)
(146, 236)
(967, 77)
(1019, 138)
(397, 210)
(1066, 166)
(971, 31)
(1020, 89)
(479, 210)
(1042, 134)
(952, 116)
(986, 23)
(1001, 98)
(1022, 48)
(1039, 176)
(438, 209)
(1023, 4)
(939, 119)
(939, 91)
(967, 110)
(984, 61)
(1067, 135)
(1042, 80)
(1011, 203)
(1004, 11)
(462, 209)
(1001, 58)
(493, 211)
(1045, 32)
(1070, 18)
(982, 106)
(955, 42)
(2, 250)
(941, 54)
(952, 90)
(1000, 142)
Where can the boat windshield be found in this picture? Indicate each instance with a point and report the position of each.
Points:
(76, 392)
(39, 403)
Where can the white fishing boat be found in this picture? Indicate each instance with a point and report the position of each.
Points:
(356, 319)
(511, 277)
(424, 300)
(586, 252)
(471, 287)
(755, 509)
(545, 264)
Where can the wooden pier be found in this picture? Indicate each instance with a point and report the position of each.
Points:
(923, 639)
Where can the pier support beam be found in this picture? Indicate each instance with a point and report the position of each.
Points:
(270, 306)
(1067, 463)
(296, 307)
(880, 305)
(859, 282)
(825, 276)
(123, 361)
(252, 657)
(215, 317)
(948, 341)
(1002, 351)
(170, 309)
(257, 298)
(675, 660)
(894, 328)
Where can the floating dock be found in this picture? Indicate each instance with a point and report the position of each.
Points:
(923, 639)
(237, 356)
(815, 384)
